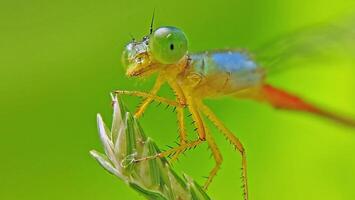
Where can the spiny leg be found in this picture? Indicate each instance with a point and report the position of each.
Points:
(145, 103)
(183, 147)
(180, 115)
(182, 132)
(150, 96)
(181, 124)
(180, 97)
(180, 108)
(180, 148)
(200, 128)
(216, 155)
(233, 139)
(179, 104)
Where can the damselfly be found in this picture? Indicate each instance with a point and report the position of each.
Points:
(196, 76)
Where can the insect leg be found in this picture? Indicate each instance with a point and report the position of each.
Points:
(149, 98)
(189, 102)
(216, 155)
(233, 139)
(182, 132)
(143, 106)
(173, 151)
(180, 97)
(181, 123)
(200, 128)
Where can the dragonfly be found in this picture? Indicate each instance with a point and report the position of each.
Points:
(194, 77)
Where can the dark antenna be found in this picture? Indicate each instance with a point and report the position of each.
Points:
(151, 23)
(133, 39)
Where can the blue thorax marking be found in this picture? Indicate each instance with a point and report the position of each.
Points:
(233, 61)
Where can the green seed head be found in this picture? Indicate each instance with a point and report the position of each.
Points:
(168, 44)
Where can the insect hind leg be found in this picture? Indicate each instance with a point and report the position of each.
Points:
(217, 157)
(233, 139)
(171, 152)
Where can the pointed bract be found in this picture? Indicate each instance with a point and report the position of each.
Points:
(153, 178)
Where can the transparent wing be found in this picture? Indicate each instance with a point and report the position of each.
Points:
(320, 43)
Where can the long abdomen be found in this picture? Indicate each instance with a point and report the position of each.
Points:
(284, 100)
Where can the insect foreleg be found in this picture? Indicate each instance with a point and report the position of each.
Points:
(143, 106)
(150, 97)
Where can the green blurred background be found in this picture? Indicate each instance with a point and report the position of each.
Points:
(60, 59)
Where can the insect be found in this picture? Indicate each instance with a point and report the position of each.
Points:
(195, 77)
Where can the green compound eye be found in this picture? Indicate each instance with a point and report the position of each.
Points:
(168, 44)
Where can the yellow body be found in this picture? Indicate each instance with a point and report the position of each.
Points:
(191, 88)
